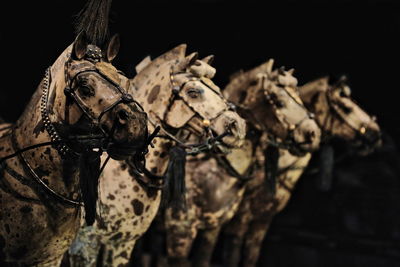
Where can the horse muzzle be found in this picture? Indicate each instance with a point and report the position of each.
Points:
(231, 123)
(306, 137)
(368, 141)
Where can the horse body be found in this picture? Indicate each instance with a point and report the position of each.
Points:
(128, 202)
(126, 208)
(42, 188)
(213, 201)
(27, 212)
(245, 233)
(247, 230)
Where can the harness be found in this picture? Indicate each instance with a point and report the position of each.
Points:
(101, 142)
(272, 140)
(334, 107)
(194, 125)
(289, 140)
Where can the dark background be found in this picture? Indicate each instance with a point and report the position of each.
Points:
(356, 222)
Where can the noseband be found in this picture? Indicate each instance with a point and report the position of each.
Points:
(212, 141)
(190, 149)
(101, 142)
(291, 128)
(104, 139)
(334, 106)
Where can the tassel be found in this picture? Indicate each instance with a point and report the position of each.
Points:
(271, 155)
(325, 161)
(175, 187)
(89, 167)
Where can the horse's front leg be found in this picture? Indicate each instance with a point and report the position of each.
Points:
(253, 241)
(84, 250)
(234, 233)
(117, 254)
(180, 235)
(207, 240)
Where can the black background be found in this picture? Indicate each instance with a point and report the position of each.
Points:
(357, 222)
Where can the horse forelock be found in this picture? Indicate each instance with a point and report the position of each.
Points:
(308, 90)
(236, 87)
(175, 55)
(241, 80)
(93, 20)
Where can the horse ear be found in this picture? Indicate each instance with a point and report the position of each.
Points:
(209, 59)
(113, 47)
(191, 59)
(342, 79)
(80, 46)
(267, 66)
(188, 61)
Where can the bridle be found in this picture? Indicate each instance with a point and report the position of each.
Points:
(100, 142)
(194, 125)
(335, 108)
(289, 141)
(104, 140)
(212, 143)
(273, 141)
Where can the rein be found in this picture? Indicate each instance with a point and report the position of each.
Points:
(30, 170)
(289, 142)
(334, 107)
(101, 142)
(208, 145)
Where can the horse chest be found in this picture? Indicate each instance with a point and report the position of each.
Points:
(212, 194)
(261, 200)
(126, 209)
(36, 232)
(288, 180)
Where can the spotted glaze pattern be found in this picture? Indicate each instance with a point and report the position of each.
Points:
(213, 201)
(247, 230)
(36, 228)
(127, 207)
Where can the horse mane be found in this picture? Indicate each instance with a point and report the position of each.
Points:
(308, 90)
(240, 80)
(146, 67)
(93, 20)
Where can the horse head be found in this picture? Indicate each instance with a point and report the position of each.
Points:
(340, 116)
(178, 93)
(270, 102)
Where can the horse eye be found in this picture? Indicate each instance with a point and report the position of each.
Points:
(86, 91)
(343, 94)
(279, 104)
(194, 92)
(253, 82)
(345, 108)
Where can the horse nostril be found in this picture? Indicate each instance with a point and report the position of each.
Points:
(123, 116)
(231, 106)
(311, 136)
(105, 127)
(232, 127)
(372, 136)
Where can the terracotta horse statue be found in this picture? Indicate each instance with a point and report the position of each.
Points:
(215, 183)
(179, 96)
(50, 158)
(338, 117)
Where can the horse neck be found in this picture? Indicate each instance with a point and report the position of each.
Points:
(45, 161)
(317, 102)
(153, 90)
